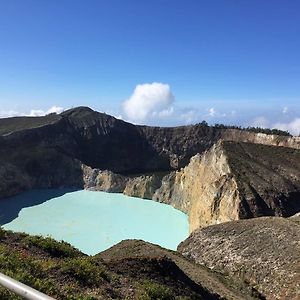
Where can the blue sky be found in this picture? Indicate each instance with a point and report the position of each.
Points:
(229, 61)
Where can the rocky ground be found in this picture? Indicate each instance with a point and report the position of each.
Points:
(264, 252)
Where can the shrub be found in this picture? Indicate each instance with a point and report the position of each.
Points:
(49, 245)
(85, 270)
(2, 233)
(154, 291)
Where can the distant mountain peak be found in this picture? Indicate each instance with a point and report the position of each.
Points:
(77, 111)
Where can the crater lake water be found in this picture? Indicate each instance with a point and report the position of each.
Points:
(93, 221)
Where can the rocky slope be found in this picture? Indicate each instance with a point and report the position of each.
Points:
(129, 270)
(264, 252)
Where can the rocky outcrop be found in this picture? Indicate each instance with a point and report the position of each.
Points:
(103, 180)
(37, 167)
(205, 189)
(143, 186)
(236, 135)
(264, 252)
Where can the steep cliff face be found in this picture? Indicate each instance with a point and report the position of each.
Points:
(264, 252)
(40, 157)
(206, 189)
(233, 181)
(236, 135)
(268, 178)
(230, 181)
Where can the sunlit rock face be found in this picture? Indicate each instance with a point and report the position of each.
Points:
(207, 189)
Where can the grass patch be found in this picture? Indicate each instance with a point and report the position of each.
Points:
(26, 270)
(149, 290)
(49, 245)
(85, 270)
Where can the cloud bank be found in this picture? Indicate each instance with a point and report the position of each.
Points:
(293, 127)
(40, 112)
(32, 113)
(149, 100)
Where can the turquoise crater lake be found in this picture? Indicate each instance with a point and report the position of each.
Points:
(93, 221)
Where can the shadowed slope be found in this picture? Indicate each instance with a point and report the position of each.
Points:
(268, 178)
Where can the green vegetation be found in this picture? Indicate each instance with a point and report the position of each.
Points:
(249, 128)
(254, 129)
(49, 245)
(85, 270)
(150, 290)
(48, 266)
(27, 270)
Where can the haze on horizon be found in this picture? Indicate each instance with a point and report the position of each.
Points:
(157, 62)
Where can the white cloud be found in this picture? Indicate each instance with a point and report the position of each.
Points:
(55, 109)
(8, 113)
(190, 116)
(212, 112)
(164, 113)
(149, 100)
(32, 113)
(36, 113)
(260, 122)
(51, 110)
(285, 110)
(293, 127)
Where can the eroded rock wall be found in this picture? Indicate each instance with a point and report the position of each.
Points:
(205, 189)
(143, 186)
(235, 135)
